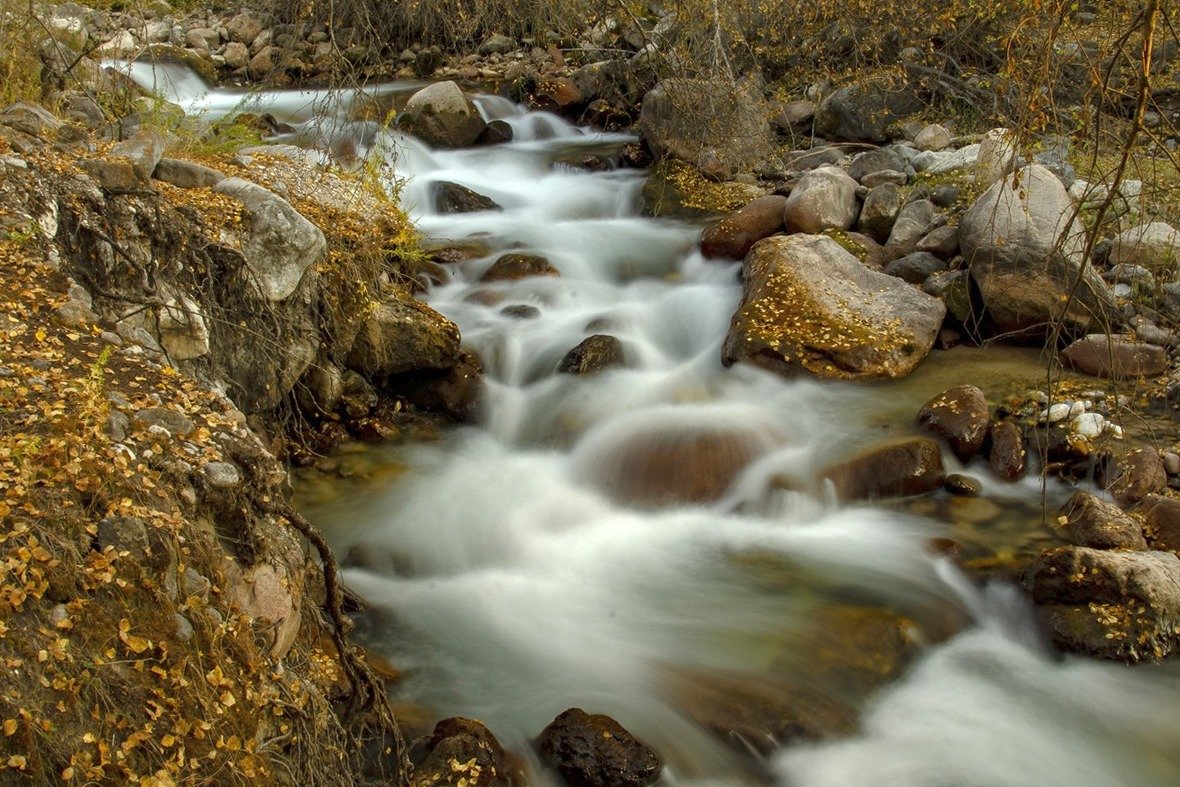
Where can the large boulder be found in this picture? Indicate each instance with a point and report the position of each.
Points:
(1112, 604)
(1093, 522)
(442, 117)
(960, 416)
(906, 466)
(1110, 356)
(1135, 475)
(592, 750)
(702, 121)
(808, 306)
(733, 236)
(403, 334)
(1155, 246)
(278, 243)
(824, 199)
(1026, 253)
(866, 111)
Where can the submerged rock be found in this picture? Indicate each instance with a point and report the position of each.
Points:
(592, 750)
(809, 306)
(510, 267)
(453, 198)
(593, 354)
(906, 466)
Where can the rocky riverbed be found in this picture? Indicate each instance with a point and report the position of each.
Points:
(612, 376)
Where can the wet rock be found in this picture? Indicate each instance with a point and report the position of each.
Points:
(186, 174)
(497, 132)
(1161, 521)
(593, 354)
(1093, 522)
(402, 335)
(962, 485)
(453, 392)
(1026, 253)
(1101, 355)
(452, 198)
(824, 199)
(510, 267)
(906, 466)
(696, 120)
(460, 752)
(880, 210)
(959, 415)
(1109, 603)
(556, 94)
(278, 243)
(521, 311)
(916, 267)
(734, 235)
(442, 117)
(1155, 246)
(809, 306)
(865, 111)
(123, 534)
(659, 464)
(144, 149)
(1135, 475)
(595, 751)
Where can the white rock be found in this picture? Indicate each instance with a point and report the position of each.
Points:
(1056, 413)
(1115, 431)
(1076, 409)
(997, 156)
(946, 160)
(1089, 425)
(932, 137)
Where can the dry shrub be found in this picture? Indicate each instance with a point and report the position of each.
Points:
(20, 68)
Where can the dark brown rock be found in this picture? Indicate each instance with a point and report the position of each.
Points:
(962, 485)
(454, 392)
(1161, 521)
(593, 354)
(1093, 522)
(734, 235)
(907, 466)
(460, 752)
(595, 751)
(1109, 603)
(1007, 454)
(960, 416)
(452, 198)
(1108, 356)
(511, 267)
(1137, 474)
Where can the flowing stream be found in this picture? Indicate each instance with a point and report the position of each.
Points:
(528, 562)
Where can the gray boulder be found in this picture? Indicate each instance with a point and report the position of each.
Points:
(278, 243)
(1025, 252)
(880, 210)
(1155, 246)
(701, 121)
(442, 117)
(824, 199)
(913, 222)
(866, 111)
(810, 307)
(878, 160)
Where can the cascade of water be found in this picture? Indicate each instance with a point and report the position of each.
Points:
(528, 563)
